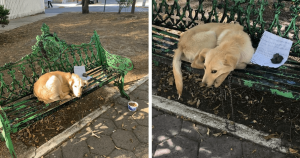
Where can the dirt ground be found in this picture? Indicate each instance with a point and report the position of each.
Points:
(262, 111)
(122, 34)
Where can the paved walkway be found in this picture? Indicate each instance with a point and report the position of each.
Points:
(117, 133)
(173, 136)
(111, 6)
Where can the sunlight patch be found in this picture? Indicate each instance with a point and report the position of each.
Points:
(178, 148)
(161, 138)
(206, 152)
(161, 152)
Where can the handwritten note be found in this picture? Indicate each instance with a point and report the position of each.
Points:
(269, 45)
(79, 70)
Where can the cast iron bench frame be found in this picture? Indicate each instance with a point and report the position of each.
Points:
(19, 108)
(284, 81)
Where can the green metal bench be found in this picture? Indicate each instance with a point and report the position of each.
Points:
(283, 81)
(19, 108)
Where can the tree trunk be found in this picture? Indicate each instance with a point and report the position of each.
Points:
(85, 6)
(144, 2)
(119, 8)
(104, 5)
(133, 6)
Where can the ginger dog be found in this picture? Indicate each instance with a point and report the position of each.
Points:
(217, 47)
(58, 85)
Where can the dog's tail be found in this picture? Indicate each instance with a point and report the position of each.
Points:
(177, 71)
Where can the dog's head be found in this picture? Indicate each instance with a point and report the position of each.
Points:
(77, 84)
(216, 65)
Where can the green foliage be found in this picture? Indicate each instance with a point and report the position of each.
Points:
(3, 16)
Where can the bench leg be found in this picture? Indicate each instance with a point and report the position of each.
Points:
(120, 85)
(5, 134)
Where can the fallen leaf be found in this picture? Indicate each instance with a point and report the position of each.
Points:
(134, 127)
(280, 110)
(208, 130)
(90, 147)
(117, 148)
(271, 136)
(198, 103)
(216, 107)
(293, 151)
(217, 134)
(93, 134)
(253, 151)
(171, 81)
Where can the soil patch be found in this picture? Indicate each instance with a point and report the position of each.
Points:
(256, 109)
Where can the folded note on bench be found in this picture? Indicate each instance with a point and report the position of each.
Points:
(79, 70)
(269, 45)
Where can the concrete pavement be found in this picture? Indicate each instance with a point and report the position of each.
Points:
(117, 133)
(111, 6)
(174, 136)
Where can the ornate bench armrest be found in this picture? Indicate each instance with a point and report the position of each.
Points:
(118, 62)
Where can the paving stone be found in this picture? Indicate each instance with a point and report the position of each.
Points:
(143, 95)
(143, 105)
(103, 126)
(125, 122)
(111, 113)
(165, 126)
(56, 153)
(141, 133)
(75, 148)
(224, 146)
(125, 139)
(144, 86)
(252, 150)
(203, 132)
(141, 151)
(141, 118)
(101, 146)
(177, 146)
(122, 101)
(122, 154)
(190, 130)
(155, 112)
(123, 110)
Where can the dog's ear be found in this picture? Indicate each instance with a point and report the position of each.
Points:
(199, 60)
(85, 82)
(70, 81)
(230, 61)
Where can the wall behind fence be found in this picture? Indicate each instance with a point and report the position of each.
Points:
(21, 8)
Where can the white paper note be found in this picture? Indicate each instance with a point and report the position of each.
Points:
(269, 45)
(79, 70)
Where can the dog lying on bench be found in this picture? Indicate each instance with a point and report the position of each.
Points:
(218, 48)
(58, 85)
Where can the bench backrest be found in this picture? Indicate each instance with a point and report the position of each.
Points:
(48, 54)
(249, 13)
